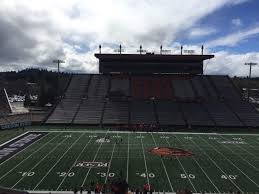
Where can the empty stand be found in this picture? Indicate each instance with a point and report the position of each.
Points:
(198, 87)
(196, 115)
(225, 88)
(120, 86)
(246, 112)
(183, 89)
(67, 107)
(211, 92)
(91, 108)
(142, 112)
(89, 99)
(116, 113)
(169, 113)
(222, 115)
(145, 87)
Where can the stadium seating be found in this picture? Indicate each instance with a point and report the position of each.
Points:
(169, 113)
(222, 115)
(212, 94)
(225, 88)
(67, 108)
(164, 99)
(183, 90)
(142, 112)
(91, 107)
(201, 92)
(246, 112)
(196, 115)
(116, 113)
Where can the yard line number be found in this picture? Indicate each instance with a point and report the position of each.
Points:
(233, 177)
(186, 176)
(27, 173)
(66, 174)
(104, 174)
(144, 175)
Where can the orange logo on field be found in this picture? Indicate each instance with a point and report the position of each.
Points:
(170, 152)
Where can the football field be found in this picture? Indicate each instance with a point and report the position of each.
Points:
(62, 160)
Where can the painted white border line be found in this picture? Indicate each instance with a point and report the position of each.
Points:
(14, 138)
(144, 132)
(85, 192)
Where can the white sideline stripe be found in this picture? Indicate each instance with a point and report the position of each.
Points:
(127, 177)
(85, 192)
(159, 132)
(39, 162)
(183, 168)
(14, 138)
(200, 168)
(29, 156)
(240, 156)
(162, 161)
(145, 162)
(57, 161)
(20, 150)
(110, 163)
(74, 163)
(217, 166)
(231, 163)
(93, 161)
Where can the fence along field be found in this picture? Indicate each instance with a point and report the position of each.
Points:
(167, 161)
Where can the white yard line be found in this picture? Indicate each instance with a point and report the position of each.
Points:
(79, 155)
(58, 161)
(127, 177)
(143, 132)
(240, 156)
(21, 150)
(36, 151)
(145, 162)
(231, 162)
(162, 161)
(183, 168)
(93, 161)
(52, 150)
(201, 169)
(110, 163)
(218, 167)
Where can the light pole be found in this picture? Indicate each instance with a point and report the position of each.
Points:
(58, 62)
(250, 72)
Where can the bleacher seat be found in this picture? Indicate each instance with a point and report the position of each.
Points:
(169, 113)
(142, 112)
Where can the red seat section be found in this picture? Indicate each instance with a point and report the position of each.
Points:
(145, 88)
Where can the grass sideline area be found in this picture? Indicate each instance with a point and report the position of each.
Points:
(63, 160)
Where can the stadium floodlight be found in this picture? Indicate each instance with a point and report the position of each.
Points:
(141, 50)
(100, 49)
(120, 50)
(250, 64)
(164, 51)
(58, 61)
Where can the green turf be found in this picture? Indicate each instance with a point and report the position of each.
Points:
(215, 166)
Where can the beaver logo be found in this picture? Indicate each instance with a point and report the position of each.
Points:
(170, 152)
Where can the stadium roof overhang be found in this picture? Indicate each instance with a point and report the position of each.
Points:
(151, 63)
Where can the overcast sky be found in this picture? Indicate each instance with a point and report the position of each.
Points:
(34, 32)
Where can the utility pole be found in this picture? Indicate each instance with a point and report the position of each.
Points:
(250, 72)
(58, 62)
